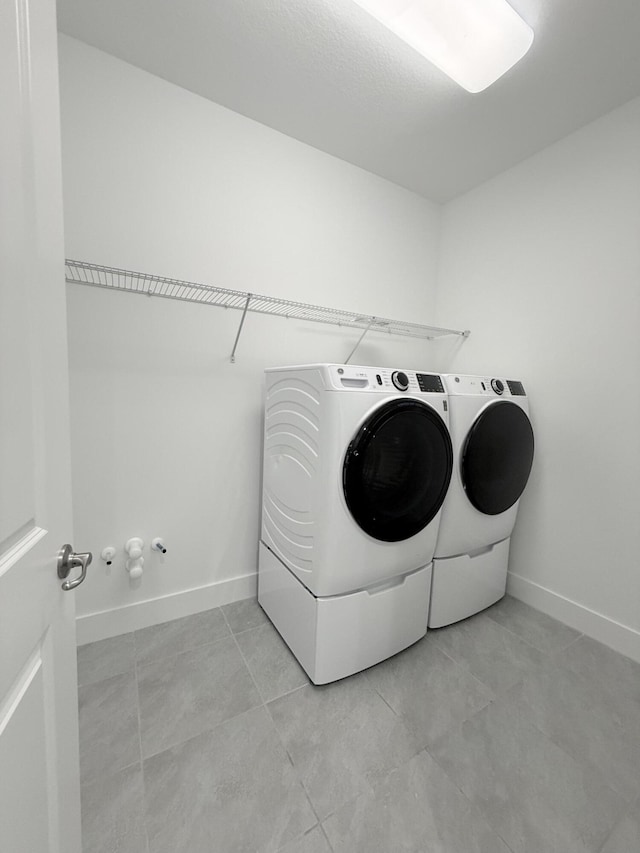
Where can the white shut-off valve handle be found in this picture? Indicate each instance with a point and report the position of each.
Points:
(134, 548)
(134, 567)
(136, 560)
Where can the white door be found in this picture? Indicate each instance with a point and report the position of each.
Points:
(39, 786)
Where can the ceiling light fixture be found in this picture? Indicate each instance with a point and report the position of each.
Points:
(473, 41)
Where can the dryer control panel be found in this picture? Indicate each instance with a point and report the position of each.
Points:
(385, 379)
(485, 386)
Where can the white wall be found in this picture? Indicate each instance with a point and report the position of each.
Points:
(543, 264)
(165, 431)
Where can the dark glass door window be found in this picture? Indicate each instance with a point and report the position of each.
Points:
(397, 470)
(497, 457)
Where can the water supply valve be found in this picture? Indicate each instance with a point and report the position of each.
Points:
(134, 564)
(157, 544)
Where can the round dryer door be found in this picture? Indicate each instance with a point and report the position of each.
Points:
(397, 470)
(497, 457)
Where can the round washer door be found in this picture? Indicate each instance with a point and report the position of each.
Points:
(497, 457)
(397, 470)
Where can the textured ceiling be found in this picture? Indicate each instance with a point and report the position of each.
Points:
(325, 72)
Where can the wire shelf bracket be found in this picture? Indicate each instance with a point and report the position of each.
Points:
(113, 278)
(360, 339)
(244, 314)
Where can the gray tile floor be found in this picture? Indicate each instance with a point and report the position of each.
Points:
(506, 732)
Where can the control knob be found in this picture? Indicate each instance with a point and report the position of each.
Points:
(400, 380)
(498, 386)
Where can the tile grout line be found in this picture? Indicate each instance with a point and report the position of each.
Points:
(142, 773)
(265, 702)
(242, 657)
(588, 766)
(253, 628)
(326, 837)
(284, 746)
(578, 762)
(268, 712)
(389, 706)
(494, 694)
(217, 725)
(235, 716)
(171, 655)
(209, 729)
(479, 811)
(288, 693)
(181, 743)
(265, 705)
(91, 779)
(502, 628)
(533, 646)
(612, 830)
(575, 640)
(549, 657)
(419, 749)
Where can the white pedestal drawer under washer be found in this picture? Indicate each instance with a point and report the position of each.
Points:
(357, 462)
(493, 449)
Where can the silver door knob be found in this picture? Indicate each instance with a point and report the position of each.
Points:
(68, 560)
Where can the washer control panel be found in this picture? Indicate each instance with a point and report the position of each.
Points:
(385, 379)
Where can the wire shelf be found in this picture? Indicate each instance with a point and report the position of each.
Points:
(112, 278)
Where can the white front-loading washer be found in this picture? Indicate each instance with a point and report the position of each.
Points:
(493, 448)
(356, 465)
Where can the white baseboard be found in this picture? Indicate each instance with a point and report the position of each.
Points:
(613, 634)
(132, 617)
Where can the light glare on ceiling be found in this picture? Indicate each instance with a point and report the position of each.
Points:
(473, 41)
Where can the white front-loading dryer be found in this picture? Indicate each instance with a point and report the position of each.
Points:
(493, 447)
(356, 465)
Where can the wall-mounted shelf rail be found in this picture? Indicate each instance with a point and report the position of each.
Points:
(112, 278)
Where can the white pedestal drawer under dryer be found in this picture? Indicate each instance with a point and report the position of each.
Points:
(357, 462)
(493, 454)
